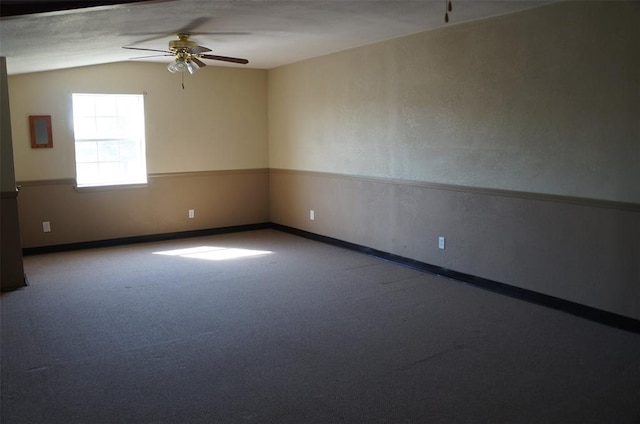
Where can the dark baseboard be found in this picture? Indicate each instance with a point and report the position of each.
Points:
(143, 239)
(593, 314)
(577, 309)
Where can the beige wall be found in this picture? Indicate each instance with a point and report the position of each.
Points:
(217, 122)
(206, 150)
(517, 138)
(543, 101)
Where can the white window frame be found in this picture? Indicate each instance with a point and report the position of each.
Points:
(109, 139)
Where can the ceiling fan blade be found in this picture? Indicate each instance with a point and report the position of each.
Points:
(156, 36)
(186, 29)
(198, 61)
(224, 58)
(199, 49)
(195, 23)
(148, 50)
(196, 33)
(153, 55)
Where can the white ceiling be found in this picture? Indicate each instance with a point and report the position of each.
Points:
(268, 33)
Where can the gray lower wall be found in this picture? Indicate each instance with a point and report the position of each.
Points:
(585, 251)
(219, 198)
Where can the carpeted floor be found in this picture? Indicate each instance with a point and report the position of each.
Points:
(308, 333)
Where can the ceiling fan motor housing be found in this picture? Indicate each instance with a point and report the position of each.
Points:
(182, 43)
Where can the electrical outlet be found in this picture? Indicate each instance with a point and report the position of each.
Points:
(440, 242)
(46, 227)
(312, 215)
(192, 213)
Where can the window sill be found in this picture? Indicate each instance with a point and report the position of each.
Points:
(111, 187)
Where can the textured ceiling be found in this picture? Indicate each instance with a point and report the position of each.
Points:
(268, 33)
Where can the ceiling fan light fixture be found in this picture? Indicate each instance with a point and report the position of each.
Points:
(183, 65)
(179, 65)
(176, 66)
(191, 66)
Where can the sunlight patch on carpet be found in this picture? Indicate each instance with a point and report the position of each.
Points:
(213, 253)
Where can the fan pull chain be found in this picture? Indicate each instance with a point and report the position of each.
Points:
(182, 74)
(448, 8)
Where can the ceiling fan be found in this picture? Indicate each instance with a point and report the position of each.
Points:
(187, 55)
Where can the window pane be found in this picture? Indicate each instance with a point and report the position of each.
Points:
(130, 151)
(110, 172)
(86, 151)
(83, 105)
(110, 144)
(107, 127)
(108, 151)
(87, 173)
(84, 126)
(129, 105)
(106, 105)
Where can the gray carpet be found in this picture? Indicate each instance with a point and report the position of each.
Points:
(309, 333)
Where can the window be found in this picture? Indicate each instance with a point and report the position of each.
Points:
(109, 139)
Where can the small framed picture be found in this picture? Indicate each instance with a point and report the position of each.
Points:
(40, 126)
